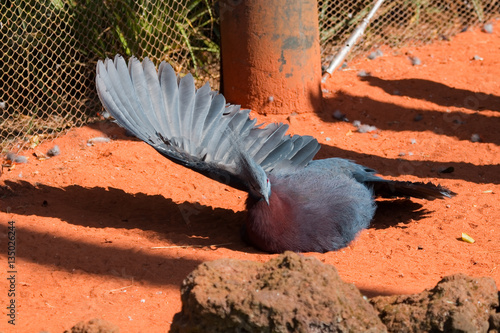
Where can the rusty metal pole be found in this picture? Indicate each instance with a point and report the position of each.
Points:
(271, 55)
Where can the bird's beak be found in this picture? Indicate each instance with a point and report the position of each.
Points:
(267, 200)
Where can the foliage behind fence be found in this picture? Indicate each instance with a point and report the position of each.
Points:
(50, 47)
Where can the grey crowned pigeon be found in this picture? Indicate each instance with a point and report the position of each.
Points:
(294, 202)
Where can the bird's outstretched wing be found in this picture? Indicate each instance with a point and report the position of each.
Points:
(196, 128)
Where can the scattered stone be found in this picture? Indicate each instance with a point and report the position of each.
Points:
(488, 28)
(375, 54)
(54, 151)
(458, 303)
(418, 117)
(363, 73)
(415, 61)
(449, 169)
(337, 114)
(413, 141)
(476, 57)
(402, 154)
(105, 114)
(289, 293)
(95, 325)
(410, 153)
(475, 138)
(363, 128)
(99, 139)
(14, 158)
(328, 139)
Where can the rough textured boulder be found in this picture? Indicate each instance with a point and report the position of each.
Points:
(458, 303)
(495, 322)
(290, 293)
(95, 325)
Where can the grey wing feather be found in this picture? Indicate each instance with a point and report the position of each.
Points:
(196, 128)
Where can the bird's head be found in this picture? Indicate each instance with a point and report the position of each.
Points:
(260, 186)
(252, 174)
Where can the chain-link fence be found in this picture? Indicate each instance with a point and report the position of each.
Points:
(50, 47)
(398, 22)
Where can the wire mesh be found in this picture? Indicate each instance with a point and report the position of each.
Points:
(50, 47)
(398, 22)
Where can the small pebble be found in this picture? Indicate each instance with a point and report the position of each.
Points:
(327, 139)
(99, 139)
(54, 151)
(413, 141)
(420, 247)
(446, 170)
(375, 136)
(415, 61)
(363, 128)
(476, 57)
(375, 54)
(488, 28)
(337, 114)
(16, 158)
(410, 153)
(105, 114)
(271, 99)
(363, 73)
(418, 117)
(366, 128)
(475, 138)
(402, 153)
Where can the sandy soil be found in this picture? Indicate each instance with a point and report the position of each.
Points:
(111, 230)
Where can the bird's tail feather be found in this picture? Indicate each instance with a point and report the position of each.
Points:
(420, 190)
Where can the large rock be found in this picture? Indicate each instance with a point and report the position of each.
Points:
(290, 293)
(458, 303)
(95, 325)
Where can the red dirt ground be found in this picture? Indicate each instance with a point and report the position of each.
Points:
(89, 221)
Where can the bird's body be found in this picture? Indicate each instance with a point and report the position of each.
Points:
(294, 203)
(325, 214)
